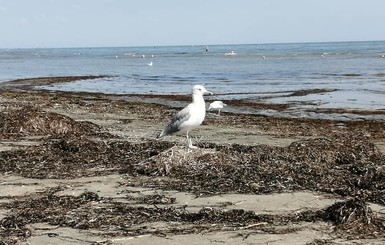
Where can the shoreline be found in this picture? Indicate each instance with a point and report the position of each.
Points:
(79, 168)
(260, 106)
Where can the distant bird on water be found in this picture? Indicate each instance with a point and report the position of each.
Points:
(189, 117)
(217, 105)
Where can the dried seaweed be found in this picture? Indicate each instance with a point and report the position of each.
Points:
(30, 121)
(346, 167)
(72, 156)
(152, 199)
(89, 211)
(354, 218)
(342, 162)
(343, 166)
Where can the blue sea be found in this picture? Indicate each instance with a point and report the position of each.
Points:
(352, 72)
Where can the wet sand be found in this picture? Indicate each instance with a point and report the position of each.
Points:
(82, 168)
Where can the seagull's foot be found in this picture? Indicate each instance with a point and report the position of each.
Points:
(190, 148)
(189, 144)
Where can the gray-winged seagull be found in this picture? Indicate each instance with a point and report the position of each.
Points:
(189, 117)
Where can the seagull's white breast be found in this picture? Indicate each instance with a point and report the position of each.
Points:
(197, 113)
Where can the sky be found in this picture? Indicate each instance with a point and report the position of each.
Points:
(116, 23)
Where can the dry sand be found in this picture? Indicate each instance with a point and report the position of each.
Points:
(86, 169)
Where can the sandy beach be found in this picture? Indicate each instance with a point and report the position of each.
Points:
(84, 168)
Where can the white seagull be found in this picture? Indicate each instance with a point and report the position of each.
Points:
(217, 105)
(189, 117)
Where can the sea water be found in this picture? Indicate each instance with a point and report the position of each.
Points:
(352, 74)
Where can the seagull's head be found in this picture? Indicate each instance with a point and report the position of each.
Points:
(200, 90)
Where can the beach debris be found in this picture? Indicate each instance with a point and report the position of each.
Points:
(355, 219)
(32, 122)
(340, 161)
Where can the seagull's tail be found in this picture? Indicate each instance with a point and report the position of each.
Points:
(160, 135)
(163, 133)
(169, 129)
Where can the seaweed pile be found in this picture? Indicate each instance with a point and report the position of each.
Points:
(72, 157)
(30, 121)
(342, 166)
(347, 165)
(353, 219)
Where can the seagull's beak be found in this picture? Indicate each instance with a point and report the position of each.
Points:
(208, 93)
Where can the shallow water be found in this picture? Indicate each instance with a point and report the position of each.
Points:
(353, 72)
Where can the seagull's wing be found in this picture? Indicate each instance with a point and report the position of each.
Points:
(176, 122)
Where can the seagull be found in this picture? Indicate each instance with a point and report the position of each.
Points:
(217, 105)
(189, 117)
(149, 64)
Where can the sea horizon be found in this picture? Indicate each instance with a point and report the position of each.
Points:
(189, 45)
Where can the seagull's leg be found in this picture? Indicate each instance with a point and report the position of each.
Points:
(219, 112)
(190, 145)
(188, 140)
